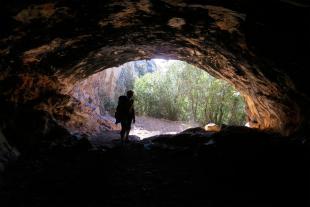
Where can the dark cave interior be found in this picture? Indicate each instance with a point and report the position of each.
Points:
(257, 46)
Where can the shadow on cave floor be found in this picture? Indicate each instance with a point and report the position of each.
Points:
(235, 167)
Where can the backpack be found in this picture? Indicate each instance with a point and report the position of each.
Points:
(121, 108)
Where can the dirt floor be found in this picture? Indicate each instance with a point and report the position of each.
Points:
(148, 126)
(143, 128)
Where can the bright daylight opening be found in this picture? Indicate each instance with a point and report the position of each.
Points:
(170, 96)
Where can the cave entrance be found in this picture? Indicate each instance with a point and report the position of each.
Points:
(170, 96)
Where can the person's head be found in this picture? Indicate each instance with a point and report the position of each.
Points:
(130, 93)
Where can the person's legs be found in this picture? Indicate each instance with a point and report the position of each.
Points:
(127, 134)
(127, 130)
(123, 131)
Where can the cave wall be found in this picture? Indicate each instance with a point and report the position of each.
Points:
(46, 48)
(91, 90)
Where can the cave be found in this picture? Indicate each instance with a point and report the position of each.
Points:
(260, 48)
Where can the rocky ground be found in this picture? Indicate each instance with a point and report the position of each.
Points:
(235, 167)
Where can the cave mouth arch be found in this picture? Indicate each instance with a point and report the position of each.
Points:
(268, 104)
(45, 49)
(170, 97)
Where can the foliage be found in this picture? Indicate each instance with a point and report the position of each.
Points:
(184, 92)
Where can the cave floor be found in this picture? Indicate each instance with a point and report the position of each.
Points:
(124, 176)
(136, 174)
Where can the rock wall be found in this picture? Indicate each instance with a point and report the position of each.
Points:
(89, 90)
(107, 85)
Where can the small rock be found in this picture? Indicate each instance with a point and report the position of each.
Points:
(212, 127)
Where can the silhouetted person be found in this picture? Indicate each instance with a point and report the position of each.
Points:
(125, 114)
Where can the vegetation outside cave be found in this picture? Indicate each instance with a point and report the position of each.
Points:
(183, 92)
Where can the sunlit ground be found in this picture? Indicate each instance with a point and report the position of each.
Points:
(148, 126)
